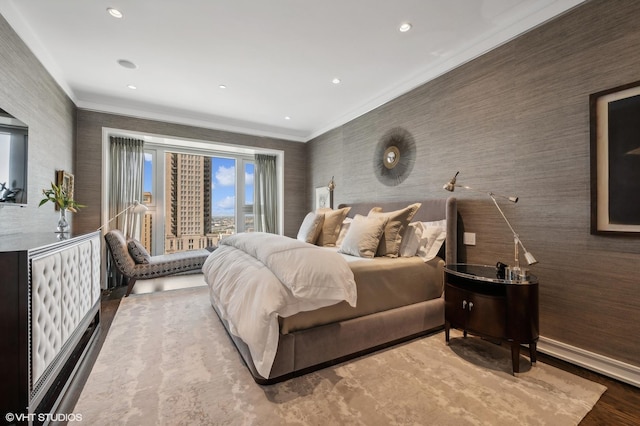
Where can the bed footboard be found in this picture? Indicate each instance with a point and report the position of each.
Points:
(309, 350)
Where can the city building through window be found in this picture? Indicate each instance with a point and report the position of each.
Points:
(206, 199)
(196, 192)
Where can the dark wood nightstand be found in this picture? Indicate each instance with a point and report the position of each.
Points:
(478, 301)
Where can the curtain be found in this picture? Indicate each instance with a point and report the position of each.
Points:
(125, 182)
(265, 198)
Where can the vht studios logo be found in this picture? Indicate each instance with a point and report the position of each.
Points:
(42, 417)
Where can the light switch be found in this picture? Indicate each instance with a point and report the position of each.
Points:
(469, 238)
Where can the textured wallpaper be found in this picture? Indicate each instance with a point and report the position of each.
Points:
(516, 121)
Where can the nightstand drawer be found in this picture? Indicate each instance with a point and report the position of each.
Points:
(475, 312)
(487, 315)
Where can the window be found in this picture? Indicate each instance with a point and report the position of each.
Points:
(196, 191)
(205, 199)
(223, 196)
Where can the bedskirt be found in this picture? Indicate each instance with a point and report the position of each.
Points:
(303, 351)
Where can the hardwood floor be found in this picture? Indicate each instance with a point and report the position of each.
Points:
(619, 405)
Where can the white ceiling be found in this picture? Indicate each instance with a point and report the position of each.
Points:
(276, 57)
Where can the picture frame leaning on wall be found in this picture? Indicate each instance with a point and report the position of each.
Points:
(65, 180)
(324, 198)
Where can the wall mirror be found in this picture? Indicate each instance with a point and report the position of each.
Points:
(14, 135)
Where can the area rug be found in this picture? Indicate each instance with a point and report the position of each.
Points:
(167, 360)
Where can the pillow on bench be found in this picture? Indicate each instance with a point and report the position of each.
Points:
(138, 252)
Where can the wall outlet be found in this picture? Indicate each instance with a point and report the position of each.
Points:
(469, 238)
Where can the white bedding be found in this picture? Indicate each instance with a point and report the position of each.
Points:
(255, 277)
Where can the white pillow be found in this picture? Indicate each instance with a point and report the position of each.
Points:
(411, 240)
(364, 235)
(433, 237)
(310, 228)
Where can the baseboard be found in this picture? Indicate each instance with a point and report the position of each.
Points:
(601, 364)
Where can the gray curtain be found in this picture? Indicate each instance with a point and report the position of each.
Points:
(265, 199)
(125, 181)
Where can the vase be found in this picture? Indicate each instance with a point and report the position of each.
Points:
(63, 225)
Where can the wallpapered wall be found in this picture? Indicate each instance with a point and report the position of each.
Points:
(89, 162)
(516, 121)
(29, 93)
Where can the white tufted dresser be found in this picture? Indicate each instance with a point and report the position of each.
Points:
(49, 315)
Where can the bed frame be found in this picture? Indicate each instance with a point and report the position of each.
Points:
(303, 351)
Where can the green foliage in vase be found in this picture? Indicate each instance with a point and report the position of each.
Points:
(58, 196)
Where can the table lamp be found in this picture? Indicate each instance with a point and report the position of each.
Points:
(516, 271)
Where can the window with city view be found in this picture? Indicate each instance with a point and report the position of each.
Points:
(206, 198)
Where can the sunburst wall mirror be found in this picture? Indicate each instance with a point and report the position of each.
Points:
(394, 156)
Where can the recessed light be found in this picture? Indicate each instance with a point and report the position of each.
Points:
(404, 27)
(127, 64)
(336, 80)
(287, 117)
(132, 86)
(114, 12)
(222, 86)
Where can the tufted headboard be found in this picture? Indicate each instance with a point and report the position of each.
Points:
(430, 210)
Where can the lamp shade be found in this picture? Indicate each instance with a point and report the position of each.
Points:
(139, 207)
(451, 185)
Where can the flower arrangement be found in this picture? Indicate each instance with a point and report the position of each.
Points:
(58, 196)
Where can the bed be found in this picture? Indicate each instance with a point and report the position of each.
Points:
(384, 300)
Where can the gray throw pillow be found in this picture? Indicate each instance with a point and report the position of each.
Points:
(137, 251)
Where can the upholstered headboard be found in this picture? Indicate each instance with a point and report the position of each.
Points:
(430, 210)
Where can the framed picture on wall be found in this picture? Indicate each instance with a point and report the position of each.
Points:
(615, 160)
(323, 198)
(65, 180)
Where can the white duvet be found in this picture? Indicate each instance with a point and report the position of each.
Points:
(255, 277)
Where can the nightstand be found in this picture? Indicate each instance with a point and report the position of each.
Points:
(480, 302)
